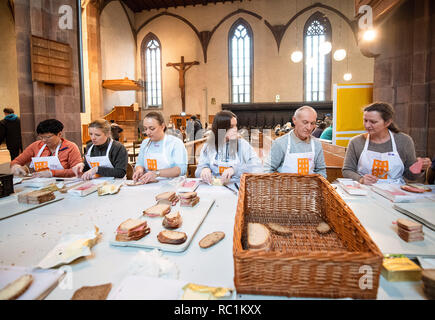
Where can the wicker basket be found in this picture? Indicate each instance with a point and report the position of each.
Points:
(343, 263)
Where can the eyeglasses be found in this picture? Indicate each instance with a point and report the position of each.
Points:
(45, 138)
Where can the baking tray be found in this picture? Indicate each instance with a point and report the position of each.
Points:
(192, 220)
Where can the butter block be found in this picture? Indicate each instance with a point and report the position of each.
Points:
(400, 269)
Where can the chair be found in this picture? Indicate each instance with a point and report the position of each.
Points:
(130, 171)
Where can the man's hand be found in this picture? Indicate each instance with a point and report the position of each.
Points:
(206, 175)
(18, 170)
(88, 175)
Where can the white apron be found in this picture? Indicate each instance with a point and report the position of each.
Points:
(300, 163)
(218, 166)
(46, 163)
(156, 161)
(387, 166)
(100, 161)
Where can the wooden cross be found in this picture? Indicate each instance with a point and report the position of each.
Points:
(182, 67)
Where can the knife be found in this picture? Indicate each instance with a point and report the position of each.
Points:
(233, 191)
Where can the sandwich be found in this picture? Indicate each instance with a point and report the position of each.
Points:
(36, 197)
(172, 237)
(172, 220)
(132, 229)
(167, 198)
(158, 210)
(259, 237)
(188, 199)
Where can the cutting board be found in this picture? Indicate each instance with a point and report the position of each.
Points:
(44, 281)
(192, 220)
(10, 206)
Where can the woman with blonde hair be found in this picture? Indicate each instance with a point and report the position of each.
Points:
(105, 157)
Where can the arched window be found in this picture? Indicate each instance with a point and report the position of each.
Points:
(152, 70)
(240, 62)
(317, 66)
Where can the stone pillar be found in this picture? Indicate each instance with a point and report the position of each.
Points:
(405, 73)
(40, 101)
(94, 61)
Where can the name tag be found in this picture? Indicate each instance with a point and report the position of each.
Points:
(303, 166)
(152, 164)
(41, 166)
(222, 169)
(95, 164)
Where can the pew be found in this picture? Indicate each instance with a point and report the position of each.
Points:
(334, 159)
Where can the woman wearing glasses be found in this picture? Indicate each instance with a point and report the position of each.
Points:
(51, 155)
(105, 157)
(161, 154)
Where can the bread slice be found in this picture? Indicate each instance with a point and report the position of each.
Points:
(172, 237)
(92, 293)
(187, 195)
(170, 196)
(16, 288)
(172, 220)
(279, 229)
(131, 224)
(259, 236)
(158, 210)
(211, 239)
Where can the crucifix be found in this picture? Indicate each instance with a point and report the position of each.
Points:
(182, 67)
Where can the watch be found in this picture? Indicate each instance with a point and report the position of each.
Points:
(157, 172)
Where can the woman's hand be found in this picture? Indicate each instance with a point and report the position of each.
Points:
(18, 170)
(226, 175)
(368, 179)
(43, 174)
(206, 175)
(148, 177)
(78, 169)
(138, 172)
(88, 175)
(426, 163)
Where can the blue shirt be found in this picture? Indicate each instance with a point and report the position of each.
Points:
(175, 152)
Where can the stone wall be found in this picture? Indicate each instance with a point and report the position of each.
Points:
(40, 101)
(405, 71)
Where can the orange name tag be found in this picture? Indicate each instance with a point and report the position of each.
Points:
(303, 166)
(379, 169)
(222, 169)
(41, 166)
(152, 164)
(95, 164)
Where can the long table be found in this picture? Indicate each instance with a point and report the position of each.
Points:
(26, 238)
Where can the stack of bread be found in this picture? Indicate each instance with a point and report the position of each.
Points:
(172, 220)
(188, 199)
(36, 197)
(167, 198)
(428, 277)
(410, 231)
(132, 229)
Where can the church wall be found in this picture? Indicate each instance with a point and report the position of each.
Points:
(8, 61)
(274, 72)
(118, 49)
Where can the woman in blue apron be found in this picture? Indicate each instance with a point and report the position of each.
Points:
(105, 157)
(160, 155)
(383, 154)
(225, 155)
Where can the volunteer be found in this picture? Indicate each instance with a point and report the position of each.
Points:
(105, 157)
(51, 155)
(226, 155)
(383, 154)
(298, 151)
(160, 155)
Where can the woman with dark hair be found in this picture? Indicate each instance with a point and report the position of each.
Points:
(383, 154)
(105, 157)
(160, 155)
(51, 155)
(226, 154)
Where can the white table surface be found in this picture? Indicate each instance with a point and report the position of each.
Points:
(26, 238)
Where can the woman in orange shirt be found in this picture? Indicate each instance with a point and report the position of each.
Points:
(51, 155)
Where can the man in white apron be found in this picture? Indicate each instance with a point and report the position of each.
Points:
(387, 167)
(297, 151)
(48, 163)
